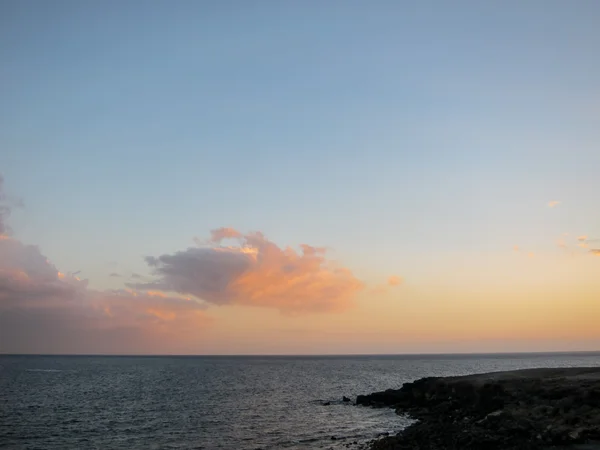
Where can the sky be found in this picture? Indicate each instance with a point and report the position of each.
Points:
(339, 177)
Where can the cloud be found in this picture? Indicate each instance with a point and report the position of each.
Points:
(394, 280)
(42, 308)
(256, 272)
(391, 282)
(216, 236)
(516, 248)
(595, 251)
(561, 243)
(553, 203)
(582, 238)
(115, 275)
(6, 206)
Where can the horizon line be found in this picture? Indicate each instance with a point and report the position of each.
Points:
(259, 355)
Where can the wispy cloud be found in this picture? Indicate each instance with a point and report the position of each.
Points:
(255, 272)
(553, 203)
(394, 280)
(115, 275)
(582, 238)
(595, 251)
(216, 236)
(7, 204)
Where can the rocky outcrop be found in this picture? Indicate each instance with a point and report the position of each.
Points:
(525, 410)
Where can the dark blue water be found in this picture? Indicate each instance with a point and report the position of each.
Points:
(68, 402)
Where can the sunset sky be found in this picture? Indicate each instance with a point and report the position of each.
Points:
(308, 177)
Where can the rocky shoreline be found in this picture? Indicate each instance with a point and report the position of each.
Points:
(525, 409)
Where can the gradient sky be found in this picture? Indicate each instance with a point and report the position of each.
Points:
(439, 161)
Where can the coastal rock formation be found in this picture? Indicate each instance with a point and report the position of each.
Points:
(526, 410)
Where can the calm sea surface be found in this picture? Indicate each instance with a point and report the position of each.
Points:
(78, 402)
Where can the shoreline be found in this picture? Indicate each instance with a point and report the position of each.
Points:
(527, 409)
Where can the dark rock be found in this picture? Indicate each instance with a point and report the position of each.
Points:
(346, 399)
(326, 403)
(519, 410)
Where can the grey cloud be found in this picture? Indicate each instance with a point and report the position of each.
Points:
(6, 206)
(203, 272)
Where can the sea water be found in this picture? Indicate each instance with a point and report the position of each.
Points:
(268, 402)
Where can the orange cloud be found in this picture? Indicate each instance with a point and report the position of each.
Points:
(582, 238)
(595, 251)
(219, 234)
(553, 203)
(516, 248)
(256, 273)
(394, 280)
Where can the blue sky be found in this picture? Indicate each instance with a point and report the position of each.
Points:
(397, 133)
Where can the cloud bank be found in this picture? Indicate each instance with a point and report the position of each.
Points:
(256, 272)
(44, 310)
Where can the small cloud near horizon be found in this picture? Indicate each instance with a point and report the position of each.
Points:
(394, 280)
(554, 203)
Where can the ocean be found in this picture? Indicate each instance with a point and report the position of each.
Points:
(218, 402)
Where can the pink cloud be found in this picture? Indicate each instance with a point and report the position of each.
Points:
(256, 272)
(41, 307)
